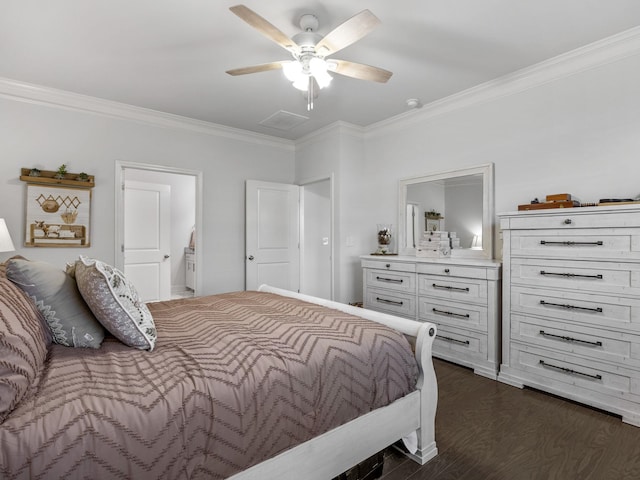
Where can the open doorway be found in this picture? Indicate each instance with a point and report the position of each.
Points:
(158, 250)
(316, 238)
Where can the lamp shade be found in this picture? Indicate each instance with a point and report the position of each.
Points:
(6, 245)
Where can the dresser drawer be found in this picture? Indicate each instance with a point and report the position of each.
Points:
(573, 218)
(461, 289)
(452, 270)
(468, 347)
(392, 280)
(603, 311)
(389, 265)
(396, 303)
(605, 244)
(597, 277)
(617, 347)
(576, 376)
(453, 314)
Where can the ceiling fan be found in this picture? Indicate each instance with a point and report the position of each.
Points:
(309, 69)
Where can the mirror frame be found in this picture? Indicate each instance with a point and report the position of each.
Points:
(486, 171)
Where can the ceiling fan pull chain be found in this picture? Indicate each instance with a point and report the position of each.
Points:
(310, 94)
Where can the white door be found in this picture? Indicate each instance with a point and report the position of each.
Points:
(272, 235)
(147, 218)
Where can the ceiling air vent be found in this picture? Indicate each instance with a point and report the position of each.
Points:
(283, 120)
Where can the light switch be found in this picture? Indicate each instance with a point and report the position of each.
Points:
(325, 240)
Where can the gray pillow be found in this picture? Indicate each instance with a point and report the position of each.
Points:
(56, 296)
(115, 303)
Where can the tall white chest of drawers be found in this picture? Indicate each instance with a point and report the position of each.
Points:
(571, 305)
(460, 296)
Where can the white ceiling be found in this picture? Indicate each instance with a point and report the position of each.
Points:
(171, 55)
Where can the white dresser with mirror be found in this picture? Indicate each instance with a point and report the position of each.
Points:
(458, 291)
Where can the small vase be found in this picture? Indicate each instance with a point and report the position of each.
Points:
(384, 238)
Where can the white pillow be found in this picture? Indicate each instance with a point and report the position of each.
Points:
(115, 303)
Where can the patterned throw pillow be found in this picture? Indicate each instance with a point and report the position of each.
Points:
(24, 341)
(115, 303)
(57, 297)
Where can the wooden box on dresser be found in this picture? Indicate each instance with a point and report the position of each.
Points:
(571, 305)
(461, 296)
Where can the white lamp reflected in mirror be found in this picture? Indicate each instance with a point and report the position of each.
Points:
(476, 243)
(6, 245)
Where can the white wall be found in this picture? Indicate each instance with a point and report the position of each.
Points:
(565, 130)
(577, 134)
(43, 136)
(339, 150)
(570, 125)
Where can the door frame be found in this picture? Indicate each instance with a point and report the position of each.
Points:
(120, 167)
(309, 181)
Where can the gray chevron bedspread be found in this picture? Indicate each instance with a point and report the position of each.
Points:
(233, 380)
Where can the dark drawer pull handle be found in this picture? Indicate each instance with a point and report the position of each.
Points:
(570, 243)
(570, 371)
(570, 307)
(570, 339)
(447, 287)
(393, 280)
(571, 275)
(455, 340)
(392, 302)
(451, 314)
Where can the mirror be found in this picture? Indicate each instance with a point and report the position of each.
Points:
(459, 202)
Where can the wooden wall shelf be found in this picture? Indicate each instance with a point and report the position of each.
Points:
(47, 177)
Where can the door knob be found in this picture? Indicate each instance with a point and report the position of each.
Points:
(250, 257)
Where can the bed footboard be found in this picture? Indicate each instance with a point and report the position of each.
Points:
(382, 427)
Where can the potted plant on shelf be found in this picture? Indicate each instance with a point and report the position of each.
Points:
(61, 172)
(82, 177)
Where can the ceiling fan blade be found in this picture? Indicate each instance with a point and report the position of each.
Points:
(265, 67)
(347, 33)
(359, 71)
(264, 27)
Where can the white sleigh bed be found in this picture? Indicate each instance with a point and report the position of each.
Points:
(325, 456)
(243, 385)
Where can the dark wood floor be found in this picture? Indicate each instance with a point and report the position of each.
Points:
(489, 430)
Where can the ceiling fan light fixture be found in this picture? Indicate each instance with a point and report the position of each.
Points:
(309, 71)
(292, 70)
(318, 68)
(302, 82)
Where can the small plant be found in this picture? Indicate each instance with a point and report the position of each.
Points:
(83, 177)
(432, 214)
(61, 172)
(34, 172)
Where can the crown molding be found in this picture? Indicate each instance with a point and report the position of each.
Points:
(339, 127)
(51, 97)
(602, 52)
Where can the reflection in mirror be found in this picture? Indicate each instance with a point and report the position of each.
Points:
(459, 202)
